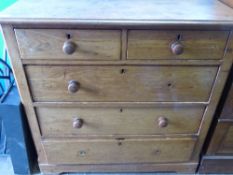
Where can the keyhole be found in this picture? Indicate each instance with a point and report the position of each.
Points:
(68, 36)
(123, 71)
(82, 153)
(121, 110)
(169, 84)
(179, 37)
(156, 152)
(119, 143)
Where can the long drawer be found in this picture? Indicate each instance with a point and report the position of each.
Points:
(69, 44)
(119, 151)
(86, 121)
(121, 83)
(152, 44)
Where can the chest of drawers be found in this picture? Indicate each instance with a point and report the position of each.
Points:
(116, 86)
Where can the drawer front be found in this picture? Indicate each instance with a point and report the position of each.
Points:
(226, 146)
(62, 122)
(121, 83)
(148, 44)
(54, 44)
(118, 151)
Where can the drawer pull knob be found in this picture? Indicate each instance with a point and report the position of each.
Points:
(77, 123)
(177, 48)
(163, 122)
(73, 86)
(69, 47)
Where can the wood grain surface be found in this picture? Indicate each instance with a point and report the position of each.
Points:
(91, 44)
(109, 83)
(118, 122)
(152, 44)
(119, 151)
(119, 12)
(187, 167)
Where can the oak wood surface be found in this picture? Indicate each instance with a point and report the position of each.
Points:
(117, 122)
(152, 44)
(122, 83)
(189, 167)
(155, 62)
(119, 151)
(48, 43)
(124, 42)
(119, 12)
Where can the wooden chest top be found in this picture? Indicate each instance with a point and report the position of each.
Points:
(119, 12)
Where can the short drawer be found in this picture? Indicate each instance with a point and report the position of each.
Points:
(69, 44)
(150, 44)
(120, 83)
(113, 121)
(118, 151)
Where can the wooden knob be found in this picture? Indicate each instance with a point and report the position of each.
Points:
(77, 123)
(163, 122)
(69, 47)
(177, 48)
(73, 86)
